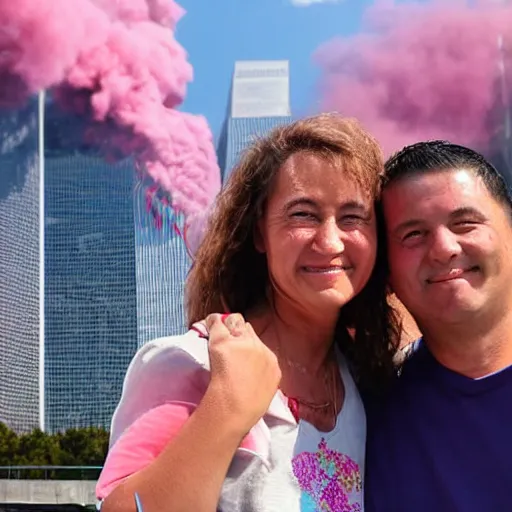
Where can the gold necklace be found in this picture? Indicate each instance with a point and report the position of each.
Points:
(294, 402)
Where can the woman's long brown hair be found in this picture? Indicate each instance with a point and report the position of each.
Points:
(230, 275)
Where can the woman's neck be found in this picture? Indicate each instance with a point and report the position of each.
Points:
(297, 339)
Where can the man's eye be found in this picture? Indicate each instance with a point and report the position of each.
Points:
(465, 225)
(412, 234)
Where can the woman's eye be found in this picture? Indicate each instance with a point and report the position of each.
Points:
(302, 215)
(352, 218)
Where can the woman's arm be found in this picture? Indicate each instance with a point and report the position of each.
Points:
(187, 475)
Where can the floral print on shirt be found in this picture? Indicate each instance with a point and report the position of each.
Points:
(329, 481)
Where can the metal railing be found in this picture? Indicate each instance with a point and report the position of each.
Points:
(41, 507)
(50, 472)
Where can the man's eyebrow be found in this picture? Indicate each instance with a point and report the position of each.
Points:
(467, 211)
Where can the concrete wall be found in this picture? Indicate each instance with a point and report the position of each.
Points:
(80, 492)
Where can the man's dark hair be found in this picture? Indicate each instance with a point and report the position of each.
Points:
(440, 155)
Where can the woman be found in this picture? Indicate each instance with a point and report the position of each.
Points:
(265, 415)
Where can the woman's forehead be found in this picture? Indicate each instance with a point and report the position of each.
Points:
(315, 175)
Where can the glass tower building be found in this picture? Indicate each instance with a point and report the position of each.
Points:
(259, 101)
(90, 302)
(162, 264)
(20, 254)
(85, 277)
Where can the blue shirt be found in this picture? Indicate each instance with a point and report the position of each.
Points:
(439, 441)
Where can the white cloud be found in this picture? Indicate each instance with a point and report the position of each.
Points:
(307, 3)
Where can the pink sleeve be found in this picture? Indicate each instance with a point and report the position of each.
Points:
(163, 385)
(141, 443)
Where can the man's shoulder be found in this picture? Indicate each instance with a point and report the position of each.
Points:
(409, 371)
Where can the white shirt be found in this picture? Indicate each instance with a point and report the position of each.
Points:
(307, 470)
(291, 466)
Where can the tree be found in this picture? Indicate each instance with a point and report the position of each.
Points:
(9, 445)
(74, 447)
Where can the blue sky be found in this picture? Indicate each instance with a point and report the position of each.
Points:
(216, 33)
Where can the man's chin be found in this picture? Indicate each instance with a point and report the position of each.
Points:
(457, 312)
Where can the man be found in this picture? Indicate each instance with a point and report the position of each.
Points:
(441, 438)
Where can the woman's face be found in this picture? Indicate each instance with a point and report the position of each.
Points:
(319, 235)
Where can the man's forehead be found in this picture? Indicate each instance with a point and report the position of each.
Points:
(421, 187)
(446, 193)
(460, 175)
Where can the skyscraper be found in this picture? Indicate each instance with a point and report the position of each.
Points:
(68, 327)
(162, 263)
(259, 101)
(90, 300)
(20, 252)
(85, 277)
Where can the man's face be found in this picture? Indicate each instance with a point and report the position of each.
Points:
(450, 247)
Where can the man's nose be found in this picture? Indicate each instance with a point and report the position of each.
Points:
(444, 246)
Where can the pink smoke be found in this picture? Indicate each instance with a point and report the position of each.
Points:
(423, 70)
(118, 61)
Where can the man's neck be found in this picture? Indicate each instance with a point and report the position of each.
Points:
(474, 349)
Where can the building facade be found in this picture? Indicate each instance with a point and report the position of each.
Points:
(20, 252)
(259, 101)
(90, 288)
(162, 263)
(85, 277)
